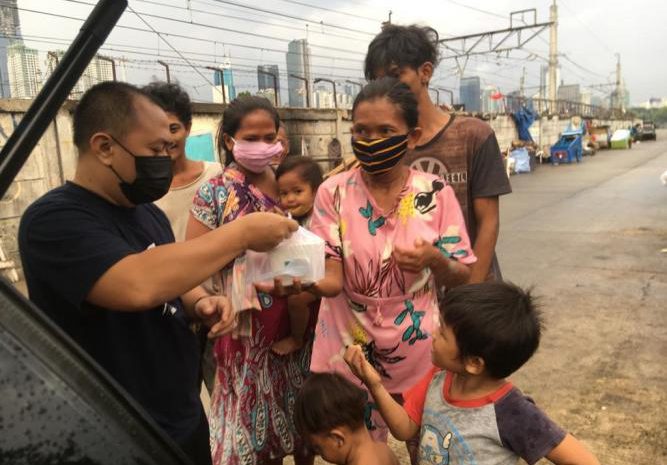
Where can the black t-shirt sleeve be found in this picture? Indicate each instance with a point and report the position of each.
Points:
(525, 429)
(69, 249)
(488, 171)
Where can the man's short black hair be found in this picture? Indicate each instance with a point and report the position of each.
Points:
(107, 106)
(496, 321)
(172, 98)
(401, 46)
(328, 401)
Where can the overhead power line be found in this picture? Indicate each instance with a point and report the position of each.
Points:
(240, 18)
(170, 46)
(574, 14)
(298, 18)
(225, 29)
(479, 10)
(310, 5)
(145, 51)
(189, 37)
(581, 67)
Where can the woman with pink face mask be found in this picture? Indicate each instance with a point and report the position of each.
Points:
(254, 391)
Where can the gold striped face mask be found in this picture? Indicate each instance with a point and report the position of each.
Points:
(380, 155)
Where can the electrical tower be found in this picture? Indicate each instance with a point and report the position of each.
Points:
(461, 48)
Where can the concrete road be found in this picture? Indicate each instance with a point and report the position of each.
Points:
(591, 239)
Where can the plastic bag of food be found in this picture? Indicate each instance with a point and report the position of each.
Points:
(299, 257)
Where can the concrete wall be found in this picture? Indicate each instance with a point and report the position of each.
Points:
(54, 159)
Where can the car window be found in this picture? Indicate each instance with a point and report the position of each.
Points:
(58, 407)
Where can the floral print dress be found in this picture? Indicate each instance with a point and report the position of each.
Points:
(390, 313)
(253, 397)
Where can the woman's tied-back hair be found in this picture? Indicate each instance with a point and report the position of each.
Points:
(396, 92)
(401, 46)
(328, 401)
(233, 116)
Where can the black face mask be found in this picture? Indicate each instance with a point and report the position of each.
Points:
(380, 155)
(154, 175)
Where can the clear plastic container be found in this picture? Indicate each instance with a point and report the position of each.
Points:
(299, 257)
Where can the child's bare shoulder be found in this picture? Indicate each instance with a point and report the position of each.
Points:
(384, 455)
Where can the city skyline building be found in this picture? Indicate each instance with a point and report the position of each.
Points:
(10, 31)
(298, 61)
(99, 69)
(569, 92)
(224, 75)
(25, 77)
(265, 81)
(470, 93)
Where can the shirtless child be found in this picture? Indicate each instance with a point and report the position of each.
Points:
(329, 415)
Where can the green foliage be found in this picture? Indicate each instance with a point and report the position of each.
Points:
(245, 93)
(657, 115)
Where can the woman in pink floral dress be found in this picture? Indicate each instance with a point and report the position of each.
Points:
(254, 392)
(394, 237)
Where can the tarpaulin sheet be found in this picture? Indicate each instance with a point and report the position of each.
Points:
(523, 119)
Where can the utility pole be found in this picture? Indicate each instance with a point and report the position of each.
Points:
(307, 84)
(333, 84)
(450, 93)
(620, 100)
(112, 62)
(522, 83)
(166, 68)
(221, 72)
(275, 84)
(387, 22)
(553, 54)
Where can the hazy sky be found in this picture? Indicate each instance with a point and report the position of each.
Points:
(590, 33)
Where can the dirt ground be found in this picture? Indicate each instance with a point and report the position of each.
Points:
(595, 251)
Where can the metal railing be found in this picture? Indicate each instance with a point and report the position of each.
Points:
(512, 104)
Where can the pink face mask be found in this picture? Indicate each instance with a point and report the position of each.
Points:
(255, 156)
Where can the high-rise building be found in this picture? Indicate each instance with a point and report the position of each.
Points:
(99, 69)
(265, 81)
(586, 97)
(10, 31)
(470, 93)
(298, 63)
(224, 75)
(25, 77)
(569, 93)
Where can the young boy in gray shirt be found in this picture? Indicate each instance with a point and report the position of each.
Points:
(464, 409)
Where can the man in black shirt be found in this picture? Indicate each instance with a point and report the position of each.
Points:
(99, 259)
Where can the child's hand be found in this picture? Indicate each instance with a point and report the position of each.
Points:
(354, 357)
